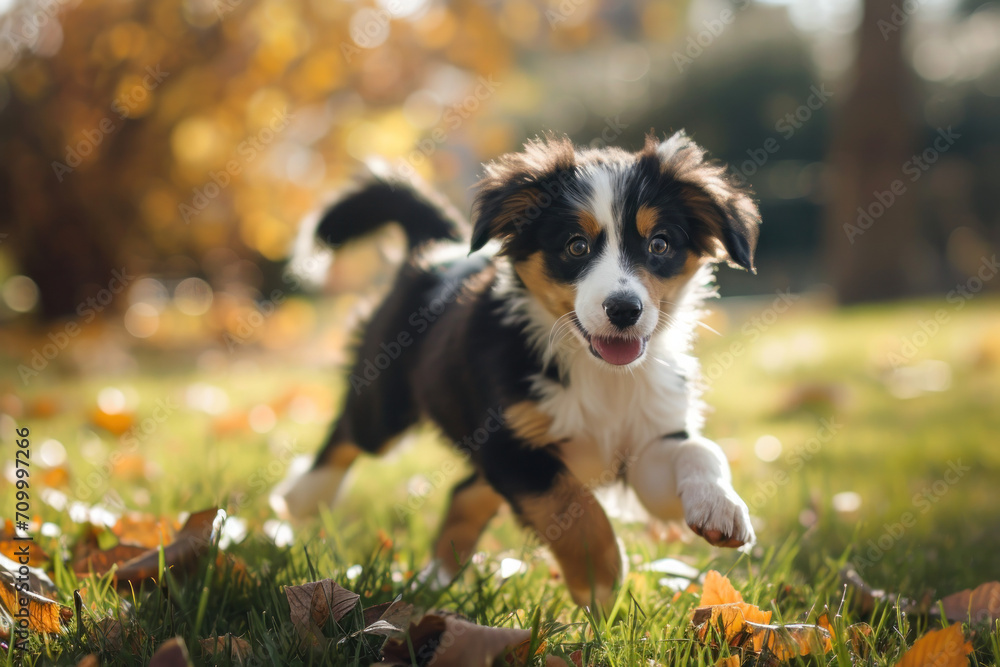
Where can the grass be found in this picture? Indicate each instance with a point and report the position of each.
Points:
(832, 496)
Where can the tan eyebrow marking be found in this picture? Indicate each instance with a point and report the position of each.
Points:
(589, 223)
(646, 219)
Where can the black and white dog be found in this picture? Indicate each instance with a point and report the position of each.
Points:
(575, 330)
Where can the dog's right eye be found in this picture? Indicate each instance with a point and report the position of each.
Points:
(578, 246)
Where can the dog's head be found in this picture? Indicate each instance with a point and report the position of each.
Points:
(609, 239)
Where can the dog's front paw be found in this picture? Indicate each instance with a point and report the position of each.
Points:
(715, 511)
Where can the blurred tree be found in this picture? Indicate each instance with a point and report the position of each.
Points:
(145, 135)
(872, 228)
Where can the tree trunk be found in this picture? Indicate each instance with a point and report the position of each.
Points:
(872, 225)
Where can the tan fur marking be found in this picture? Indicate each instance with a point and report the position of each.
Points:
(342, 456)
(471, 509)
(664, 290)
(589, 224)
(529, 423)
(646, 219)
(557, 298)
(570, 520)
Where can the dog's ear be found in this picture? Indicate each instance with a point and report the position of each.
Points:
(721, 209)
(517, 187)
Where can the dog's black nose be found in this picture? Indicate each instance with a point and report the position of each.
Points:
(623, 309)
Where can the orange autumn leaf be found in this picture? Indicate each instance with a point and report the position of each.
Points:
(730, 620)
(130, 466)
(44, 615)
(824, 622)
(785, 642)
(144, 530)
(115, 423)
(55, 477)
(718, 590)
(941, 648)
(731, 661)
(15, 550)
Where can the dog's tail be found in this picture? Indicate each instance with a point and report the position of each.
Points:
(379, 197)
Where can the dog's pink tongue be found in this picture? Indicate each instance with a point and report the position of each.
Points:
(617, 351)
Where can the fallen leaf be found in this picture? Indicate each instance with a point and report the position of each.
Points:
(311, 605)
(858, 634)
(744, 625)
(235, 648)
(110, 634)
(182, 555)
(864, 597)
(44, 615)
(143, 529)
(730, 620)
(731, 661)
(42, 407)
(824, 622)
(980, 605)
(15, 550)
(941, 648)
(55, 477)
(447, 640)
(115, 423)
(785, 642)
(391, 622)
(101, 562)
(173, 653)
(88, 661)
(424, 636)
(717, 589)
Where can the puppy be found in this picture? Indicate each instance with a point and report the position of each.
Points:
(558, 361)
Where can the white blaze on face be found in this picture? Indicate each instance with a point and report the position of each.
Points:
(609, 272)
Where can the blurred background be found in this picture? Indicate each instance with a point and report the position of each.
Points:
(156, 158)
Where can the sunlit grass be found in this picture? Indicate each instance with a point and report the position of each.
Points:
(809, 365)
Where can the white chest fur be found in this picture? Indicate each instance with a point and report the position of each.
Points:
(607, 416)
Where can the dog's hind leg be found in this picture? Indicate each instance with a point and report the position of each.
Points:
(473, 504)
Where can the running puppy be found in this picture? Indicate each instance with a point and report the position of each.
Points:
(569, 344)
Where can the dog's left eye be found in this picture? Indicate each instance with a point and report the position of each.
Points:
(578, 246)
(658, 245)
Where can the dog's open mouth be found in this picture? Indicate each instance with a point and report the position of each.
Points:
(616, 350)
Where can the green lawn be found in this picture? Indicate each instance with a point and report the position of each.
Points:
(862, 477)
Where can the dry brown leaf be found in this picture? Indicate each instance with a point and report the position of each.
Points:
(731, 661)
(110, 634)
(44, 615)
(452, 641)
(180, 556)
(424, 635)
(173, 653)
(857, 635)
(941, 648)
(311, 605)
(101, 562)
(717, 589)
(391, 622)
(235, 648)
(88, 661)
(980, 605)
(144, 529)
